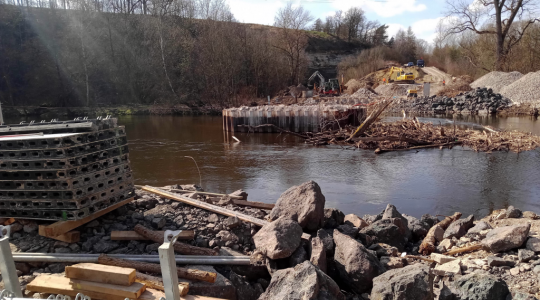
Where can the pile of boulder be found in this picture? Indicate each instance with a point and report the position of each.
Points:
(477, 101)
(308, 251)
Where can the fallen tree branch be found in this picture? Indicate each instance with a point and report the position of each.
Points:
(428, 245)
(464, 249)
(178, 246)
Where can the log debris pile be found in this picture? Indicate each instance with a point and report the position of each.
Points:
(411, 134)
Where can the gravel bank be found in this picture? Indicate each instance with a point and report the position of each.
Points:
(496, 80)
(524, 90)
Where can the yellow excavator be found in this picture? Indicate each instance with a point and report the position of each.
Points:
(401, 76)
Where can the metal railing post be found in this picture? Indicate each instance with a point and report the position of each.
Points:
(7, 265)
(168, 265)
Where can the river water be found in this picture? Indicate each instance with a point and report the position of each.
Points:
(265, 165)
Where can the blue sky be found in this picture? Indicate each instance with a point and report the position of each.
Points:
(422, 15)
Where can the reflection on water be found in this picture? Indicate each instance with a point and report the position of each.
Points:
(360, 182)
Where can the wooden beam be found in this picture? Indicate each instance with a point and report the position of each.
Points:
(152, 294)
(101, 273)
(254, 204)
(208, 194)
(134, 236)
(61, 227)
(133, 291)
(190, 274)
(206, 206)
(70, 237)
(178, 247)
(210, 207)
(58, 284)
(156, 283)
(9, 221)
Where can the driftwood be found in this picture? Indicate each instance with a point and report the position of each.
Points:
(156, 283)
(190, 274)
(464, 249)
(251, 128)
(428, 245)
(420, 258)
(370, 119)
(178, 246)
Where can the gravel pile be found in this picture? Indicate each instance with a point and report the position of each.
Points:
(480, 100)
(524, 90)
(496, 80)
(353, 85)
(391, 90)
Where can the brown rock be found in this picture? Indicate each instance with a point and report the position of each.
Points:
(355, 221)
(318, 254)
(278, 239)
(506, 238)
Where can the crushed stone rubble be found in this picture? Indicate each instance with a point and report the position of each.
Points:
(380, 256)
(496, 80)
(477, 101)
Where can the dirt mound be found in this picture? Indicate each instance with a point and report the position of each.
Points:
(353, 85)
(466, 78)
(496, 80)
(524, 90)
(454, 89)
(391, 90)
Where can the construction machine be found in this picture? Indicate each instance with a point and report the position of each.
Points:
(329, 88)
(401, 76)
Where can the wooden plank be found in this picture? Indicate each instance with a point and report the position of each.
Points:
(70, 237)
(101, 273)
(156, 283)
(90, 126)
(9, 221)
(152, 294)
(210, 207)
(133, 291)
(254, 204)
(58, 284)
(61, 227)
(207, 194)
(206, 206)
(134, 236)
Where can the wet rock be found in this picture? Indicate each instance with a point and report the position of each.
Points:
(384, 250)
(299, 256)
(213, 218)
(481, 287)
(356, 265)
(478, 228)
(418, 229)
(232, 222)
(533, 244)
(459, 228)
(506, 238)
(387, 231)
(244, 291)
(304, 203)
(512, 212)
(348, 230)
(411, 282)
(159, 222)
(305, 281)
(327, 240)
(525, 255)
(30, 227)
(278, 239)
(494, 261)
(355, 221)
(240, 193)
(333, 217)
(318, 254)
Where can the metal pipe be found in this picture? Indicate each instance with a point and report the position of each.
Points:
(93, 258)
(124, 256)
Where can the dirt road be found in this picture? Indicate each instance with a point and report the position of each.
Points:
(437, 77)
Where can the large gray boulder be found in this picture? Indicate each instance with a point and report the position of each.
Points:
(391, 212)
(418, 229)
(459, 228)
(478, 228)
(356, 265)
(305, 281)
(388, 231)
(278, 239)
(481, 287)
(410, 282)
(506, 238)
(303, 203)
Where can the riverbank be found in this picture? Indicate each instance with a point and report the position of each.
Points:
(127, 110)
(354, 257)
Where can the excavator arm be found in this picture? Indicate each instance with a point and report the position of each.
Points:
(317, 74)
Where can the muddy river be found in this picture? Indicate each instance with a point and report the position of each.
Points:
(265, 165)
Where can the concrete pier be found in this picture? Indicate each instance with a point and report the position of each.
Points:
(305, 118)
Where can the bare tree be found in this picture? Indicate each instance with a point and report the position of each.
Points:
(354, 17)
(292, 40)
(479, 16)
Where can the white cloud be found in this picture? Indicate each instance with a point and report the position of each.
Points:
(388, 8)
(393, 28)
(426, 29)
(260, 12)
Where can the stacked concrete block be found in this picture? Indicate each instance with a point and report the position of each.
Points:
(71, 172)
